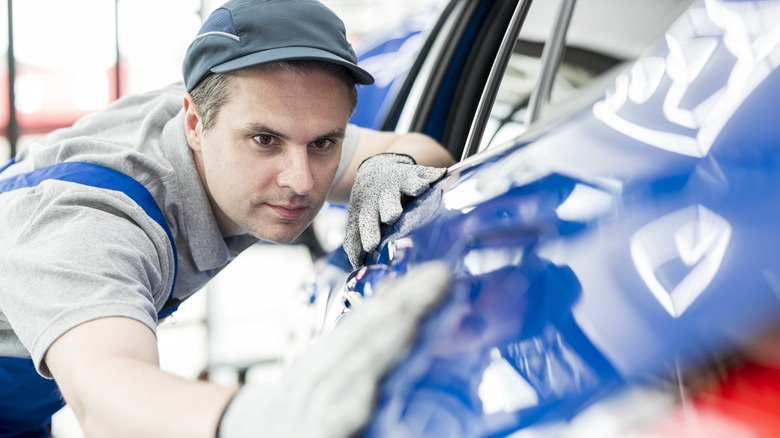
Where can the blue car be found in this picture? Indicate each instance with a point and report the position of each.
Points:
(612, 225)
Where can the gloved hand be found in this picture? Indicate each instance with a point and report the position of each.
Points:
(331, 388)
(381, 183)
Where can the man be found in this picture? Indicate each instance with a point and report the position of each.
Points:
(111, 223)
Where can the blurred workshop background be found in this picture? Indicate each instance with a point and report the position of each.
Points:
(64, 60)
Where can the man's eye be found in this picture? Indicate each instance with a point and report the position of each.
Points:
(264, 139)
(321, 144)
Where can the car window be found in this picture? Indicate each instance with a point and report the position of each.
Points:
(521, 76)
(600, 35)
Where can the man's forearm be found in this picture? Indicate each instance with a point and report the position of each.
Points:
(142, 400)
(424, 150)
(107, 371)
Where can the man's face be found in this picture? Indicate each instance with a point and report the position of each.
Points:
(269, 159)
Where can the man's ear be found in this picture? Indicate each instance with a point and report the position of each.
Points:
(193, 127)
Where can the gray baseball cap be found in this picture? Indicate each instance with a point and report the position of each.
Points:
(245, 33)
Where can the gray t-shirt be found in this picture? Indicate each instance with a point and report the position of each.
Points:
(71, 253)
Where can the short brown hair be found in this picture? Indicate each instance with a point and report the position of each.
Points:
(214, 90)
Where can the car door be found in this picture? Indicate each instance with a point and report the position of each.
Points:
(553, 88)
(509, 351)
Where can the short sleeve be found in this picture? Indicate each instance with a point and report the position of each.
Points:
(347, 152)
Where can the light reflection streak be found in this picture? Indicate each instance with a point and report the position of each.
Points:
(481, 261)
(752, 37)
(527, 165)
(584, 203)
(503, 389)
(695, 237)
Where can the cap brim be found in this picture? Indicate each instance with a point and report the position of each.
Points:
(292, 53)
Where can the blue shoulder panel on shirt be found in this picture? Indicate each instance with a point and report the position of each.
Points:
(101, 177)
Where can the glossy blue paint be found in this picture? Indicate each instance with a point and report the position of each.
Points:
(632, 242)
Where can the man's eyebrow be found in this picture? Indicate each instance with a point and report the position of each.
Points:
(256, 128)
(338, 134)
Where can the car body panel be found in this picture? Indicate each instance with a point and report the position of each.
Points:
(625, 245)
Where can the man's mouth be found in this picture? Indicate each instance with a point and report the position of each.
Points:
(290, 212)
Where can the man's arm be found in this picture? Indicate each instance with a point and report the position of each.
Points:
(108, 371)
(423, 149)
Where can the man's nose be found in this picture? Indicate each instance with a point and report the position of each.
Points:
(296, 171)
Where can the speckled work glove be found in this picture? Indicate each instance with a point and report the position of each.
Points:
(331, 388)
(381, 184)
